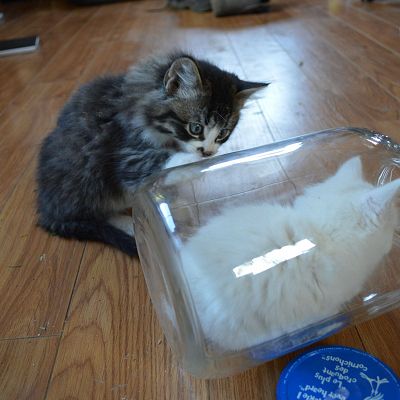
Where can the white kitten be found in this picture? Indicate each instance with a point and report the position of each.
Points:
(326, 247)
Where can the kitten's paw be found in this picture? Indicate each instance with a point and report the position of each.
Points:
(182, 159)
(180, 174)
(123, 222)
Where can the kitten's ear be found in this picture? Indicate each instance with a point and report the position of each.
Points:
(245, 88)
(377, 200)
(182, 78)
(350, 171)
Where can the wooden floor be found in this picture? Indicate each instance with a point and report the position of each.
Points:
(75, 320)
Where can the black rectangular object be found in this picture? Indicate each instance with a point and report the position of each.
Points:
(19, 45)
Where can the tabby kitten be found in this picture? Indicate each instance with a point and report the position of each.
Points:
(118, 130)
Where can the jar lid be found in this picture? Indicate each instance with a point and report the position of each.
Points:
(337, 373)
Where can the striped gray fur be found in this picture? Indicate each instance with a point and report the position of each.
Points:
(117, 130)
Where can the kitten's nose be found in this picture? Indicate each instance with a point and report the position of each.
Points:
(205, 153)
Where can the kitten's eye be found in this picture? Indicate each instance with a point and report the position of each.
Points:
(223, 134)
(195, 129)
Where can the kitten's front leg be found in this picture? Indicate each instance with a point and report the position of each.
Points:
(176, 160)
(182, 158)
(123, 222)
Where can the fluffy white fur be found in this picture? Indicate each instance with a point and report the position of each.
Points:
(180, 174)
(351, 223)
(182, 158)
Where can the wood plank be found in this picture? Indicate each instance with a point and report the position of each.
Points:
(287, 109)
(383, 65)
(387, 11)
(38, 271)
(25, 366)
(348, 92)
(356, 94)
(378, 30)
(132, 41)
(164, 38)
(381, 337)
(29, 22)
(20, 137)
(23, 17)
(79, 51)
(112, 345)
(55, 30)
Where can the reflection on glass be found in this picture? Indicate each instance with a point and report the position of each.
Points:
(254, 157)
(369, 297)
(273, 258)
(167, 216)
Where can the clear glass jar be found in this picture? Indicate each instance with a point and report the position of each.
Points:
(253, 254)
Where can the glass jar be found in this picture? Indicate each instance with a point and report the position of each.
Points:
(253, 254)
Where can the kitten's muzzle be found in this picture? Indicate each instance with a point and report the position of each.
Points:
(205, 153)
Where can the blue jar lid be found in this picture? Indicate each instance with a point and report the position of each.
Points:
(337, 373)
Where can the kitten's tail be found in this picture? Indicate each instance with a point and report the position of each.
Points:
(93, 230)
